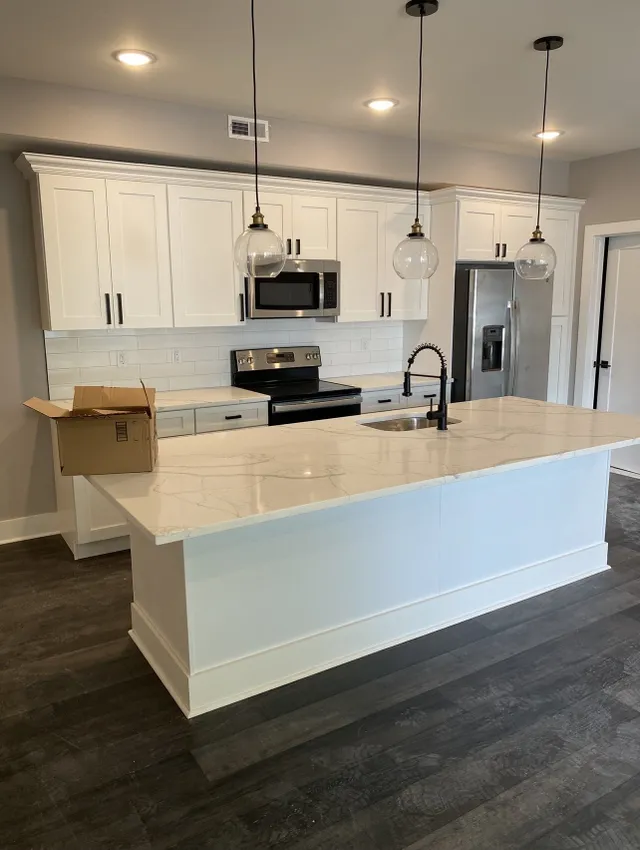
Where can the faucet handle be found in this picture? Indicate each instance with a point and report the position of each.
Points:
(407, 385)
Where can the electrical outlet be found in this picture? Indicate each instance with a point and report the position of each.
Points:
(176, 356)
(122, 358)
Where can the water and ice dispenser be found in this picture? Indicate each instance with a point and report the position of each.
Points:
(493, 348)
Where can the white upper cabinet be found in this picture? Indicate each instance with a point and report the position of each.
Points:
(204, 225)
(140, 268)
(315, 229)
(276, 209)
(406, 299)
(361, 251)
(75, 269)
(479, 230)
(517, 225)
(560, 229)
(305, 223)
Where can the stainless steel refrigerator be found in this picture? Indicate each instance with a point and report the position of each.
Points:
(501, 333)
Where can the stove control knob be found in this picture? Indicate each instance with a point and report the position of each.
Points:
(308, 356)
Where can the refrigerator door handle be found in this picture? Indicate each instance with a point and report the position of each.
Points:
(512, 309)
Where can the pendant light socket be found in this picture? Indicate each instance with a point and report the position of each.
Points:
(548, 42)
(422, 8)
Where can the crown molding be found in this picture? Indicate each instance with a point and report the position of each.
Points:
(460, 193)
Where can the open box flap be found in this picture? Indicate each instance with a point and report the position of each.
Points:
(106, 400)
(47, 408)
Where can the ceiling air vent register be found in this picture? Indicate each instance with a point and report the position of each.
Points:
(243, 128)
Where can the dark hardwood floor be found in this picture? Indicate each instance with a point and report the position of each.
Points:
(519, 730)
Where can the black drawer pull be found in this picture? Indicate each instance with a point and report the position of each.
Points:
(237, 416)
(384, 401)
(430, 395)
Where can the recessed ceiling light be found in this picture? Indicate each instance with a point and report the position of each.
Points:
(381, 104)
(134, 58)
(549, 135)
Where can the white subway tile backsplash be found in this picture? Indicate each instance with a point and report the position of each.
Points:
(106, 342)
(202, 354)
(106, 374)
(74, 360)
(61, 393)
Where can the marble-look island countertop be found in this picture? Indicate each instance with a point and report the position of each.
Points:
(213, 482)
(187, 399)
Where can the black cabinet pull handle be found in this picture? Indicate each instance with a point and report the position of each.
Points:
(120, 310)
(504, 250)
(237, 416)
(289, 247)
(298, 247)
(384, 401)
(107, 300)
(382, 305)
(430, 395)
(497, 250)
(241, 307)
(389, 307)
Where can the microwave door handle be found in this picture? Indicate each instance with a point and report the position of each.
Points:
(321, 293)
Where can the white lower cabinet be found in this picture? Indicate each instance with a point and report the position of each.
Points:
(175, 423)
(227, 417)
(382, 400)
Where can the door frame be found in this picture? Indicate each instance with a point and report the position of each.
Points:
(593, 263)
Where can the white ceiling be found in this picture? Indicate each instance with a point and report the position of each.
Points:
(320, 59)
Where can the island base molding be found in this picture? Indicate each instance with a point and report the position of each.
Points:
(229, 615)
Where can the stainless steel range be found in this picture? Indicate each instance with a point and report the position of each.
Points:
(290, 376)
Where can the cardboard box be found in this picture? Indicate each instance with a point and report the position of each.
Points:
(108, 430)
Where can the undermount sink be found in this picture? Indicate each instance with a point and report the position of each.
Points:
(406, 423)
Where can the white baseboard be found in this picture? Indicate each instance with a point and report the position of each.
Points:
(28, 527)
(205, 690)
(627, 473)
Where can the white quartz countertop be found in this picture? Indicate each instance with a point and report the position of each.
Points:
(213, 397)
(382, 381)
(213, 482)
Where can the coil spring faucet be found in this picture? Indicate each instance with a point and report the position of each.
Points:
(441, 414)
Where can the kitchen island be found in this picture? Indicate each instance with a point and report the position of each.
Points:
(263, 556)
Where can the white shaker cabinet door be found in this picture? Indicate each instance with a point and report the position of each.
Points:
(277, 211)
(74, 242)
(204, 225)
(314, 227)
(139, 237)
(518, 224)
(406, 299)
(559, 228)
(479, 230)
(361, 252)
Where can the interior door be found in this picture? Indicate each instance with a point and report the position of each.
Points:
(618, 385)
(206, 282)
(315, 228)
(409, 298)
(140, 260)
(277, 211)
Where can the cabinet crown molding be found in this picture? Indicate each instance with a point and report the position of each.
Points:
(32, 164)
(462, 193)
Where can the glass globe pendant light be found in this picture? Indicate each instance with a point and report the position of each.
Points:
(537, 260)
(416, 257)
(259, 252)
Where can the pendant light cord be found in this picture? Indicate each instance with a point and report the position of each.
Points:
(420, 63)
(255, 101)
(544, 127)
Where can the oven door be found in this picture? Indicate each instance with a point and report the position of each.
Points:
(297, 292)
(286, 412)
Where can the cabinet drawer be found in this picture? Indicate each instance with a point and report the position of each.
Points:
(425, 394)
(230, 416)
(383, 400)
(175, 423)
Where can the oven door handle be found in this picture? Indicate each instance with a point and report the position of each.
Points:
(315, 404)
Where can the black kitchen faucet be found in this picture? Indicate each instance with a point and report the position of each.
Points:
(441, 414)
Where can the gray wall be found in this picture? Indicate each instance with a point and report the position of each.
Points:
(611, 186)
(44, 117)
(26, 476)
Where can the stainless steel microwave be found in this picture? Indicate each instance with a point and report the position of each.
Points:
(303, 289)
